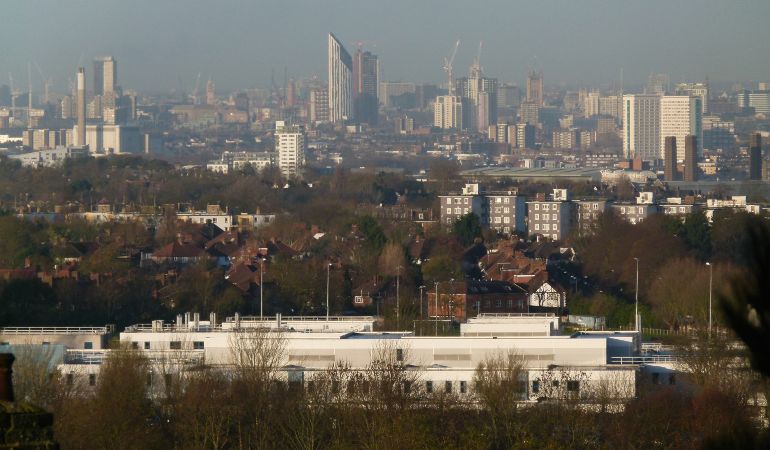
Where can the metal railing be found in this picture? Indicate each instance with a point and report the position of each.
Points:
(647, 359)
(496, 315)
(302, 319)
(54, 330)
(186, 356)
(657, 347)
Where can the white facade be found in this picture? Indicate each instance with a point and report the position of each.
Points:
(340, 81)
(641, 127)
(448, 112)
(681, 116)
(290, 149)
(48, 158)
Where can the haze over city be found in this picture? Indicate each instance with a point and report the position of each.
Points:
(238, 42)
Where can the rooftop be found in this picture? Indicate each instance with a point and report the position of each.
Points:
(517, 173)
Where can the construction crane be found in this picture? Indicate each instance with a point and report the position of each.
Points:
(29, 93)
(448, 68)
(476, 69)
(47, 83)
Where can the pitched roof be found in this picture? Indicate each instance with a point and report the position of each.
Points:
(178, 250)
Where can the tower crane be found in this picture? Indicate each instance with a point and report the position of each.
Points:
(195, 98)
(448, 68)
(47, 83)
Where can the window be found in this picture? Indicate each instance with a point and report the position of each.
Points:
(134, 346)
(507, 210)
(498, 303)
(465, 201)
(457, 211)
(92, 379)
(510, 303)
(553, 217)
(554, 227)
(536, 386)
(623, 210)
(553, 207)
(147, 345)
(506, 200)
(88, 345)
(537, 227)
(506, 219)
(198, 345)
(175, 345)
(596, 206)
(447, 387)
(449, 210)
(573, 386)
(429, 387)
(554, 237)
(449, 201)
(497, 219)
(537, 216)
(498, 199)
(399, 354)
(463, 387)
(537, 206)
(546, 227)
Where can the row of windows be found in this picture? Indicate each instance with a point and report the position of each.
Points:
(173, 345)
(546, 227)
(545, 206)
(546, 217)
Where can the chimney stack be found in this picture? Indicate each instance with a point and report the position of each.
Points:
(690, 159)
(669, 159)
(81, 108)
(755, 157)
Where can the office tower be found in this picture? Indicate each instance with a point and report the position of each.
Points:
(591, 104)
(760, 101)
(291, 93)
(340, 82)
(669, 159)
(700, 90)
(525, 135)
(680, 116)
(641, 126)
(289, 149)
(535, 88)
(448, 112)
(211, 97)
(319, 104)
(5, 95)
(508, 96)
(105, 75)
(365, 83)
(389, 89)
(481, 99)
(657, 84)
(690, 158)
(529, 112)
(81, 108)
(755, 157)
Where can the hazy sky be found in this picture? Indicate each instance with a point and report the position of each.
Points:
(239, 42)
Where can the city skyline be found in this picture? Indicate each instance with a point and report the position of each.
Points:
(579, 45)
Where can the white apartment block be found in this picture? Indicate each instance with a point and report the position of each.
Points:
(448, 112)
(340, 81)
(681, 116)
(641, 127)
(550, 218)
(503, 212)
(290, 149)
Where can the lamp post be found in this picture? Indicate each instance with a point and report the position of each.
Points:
(636, 297)
(435, 308)
(398, 305)
(711, 282)
(261, 297)
(328, 270)
(421, 289)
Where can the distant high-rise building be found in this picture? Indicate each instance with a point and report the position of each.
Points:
(525, 135)
(289, 149)
(365, 85)
(669, 159)
(529, 112)
(481, 99)
(508, 96)
(760, 101)
(535, 87)
(81, 108)
(700, 90)
(319, 104)
(641, 126)
(591, 104)
(690, 159)
(448, 112)
(291, 93)
(755, 157)
(657, 84)
(680, 116)
(105, 75)
(340, 81)
(390, 89)
(611, 105)
(211, 96)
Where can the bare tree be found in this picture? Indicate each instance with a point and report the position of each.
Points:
(500, 384)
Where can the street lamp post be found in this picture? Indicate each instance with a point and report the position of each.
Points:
(328, 270)
(636, 297)
(435, 308)
(711, 282)
(398, 306)
(421, 289)
(261, 297)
